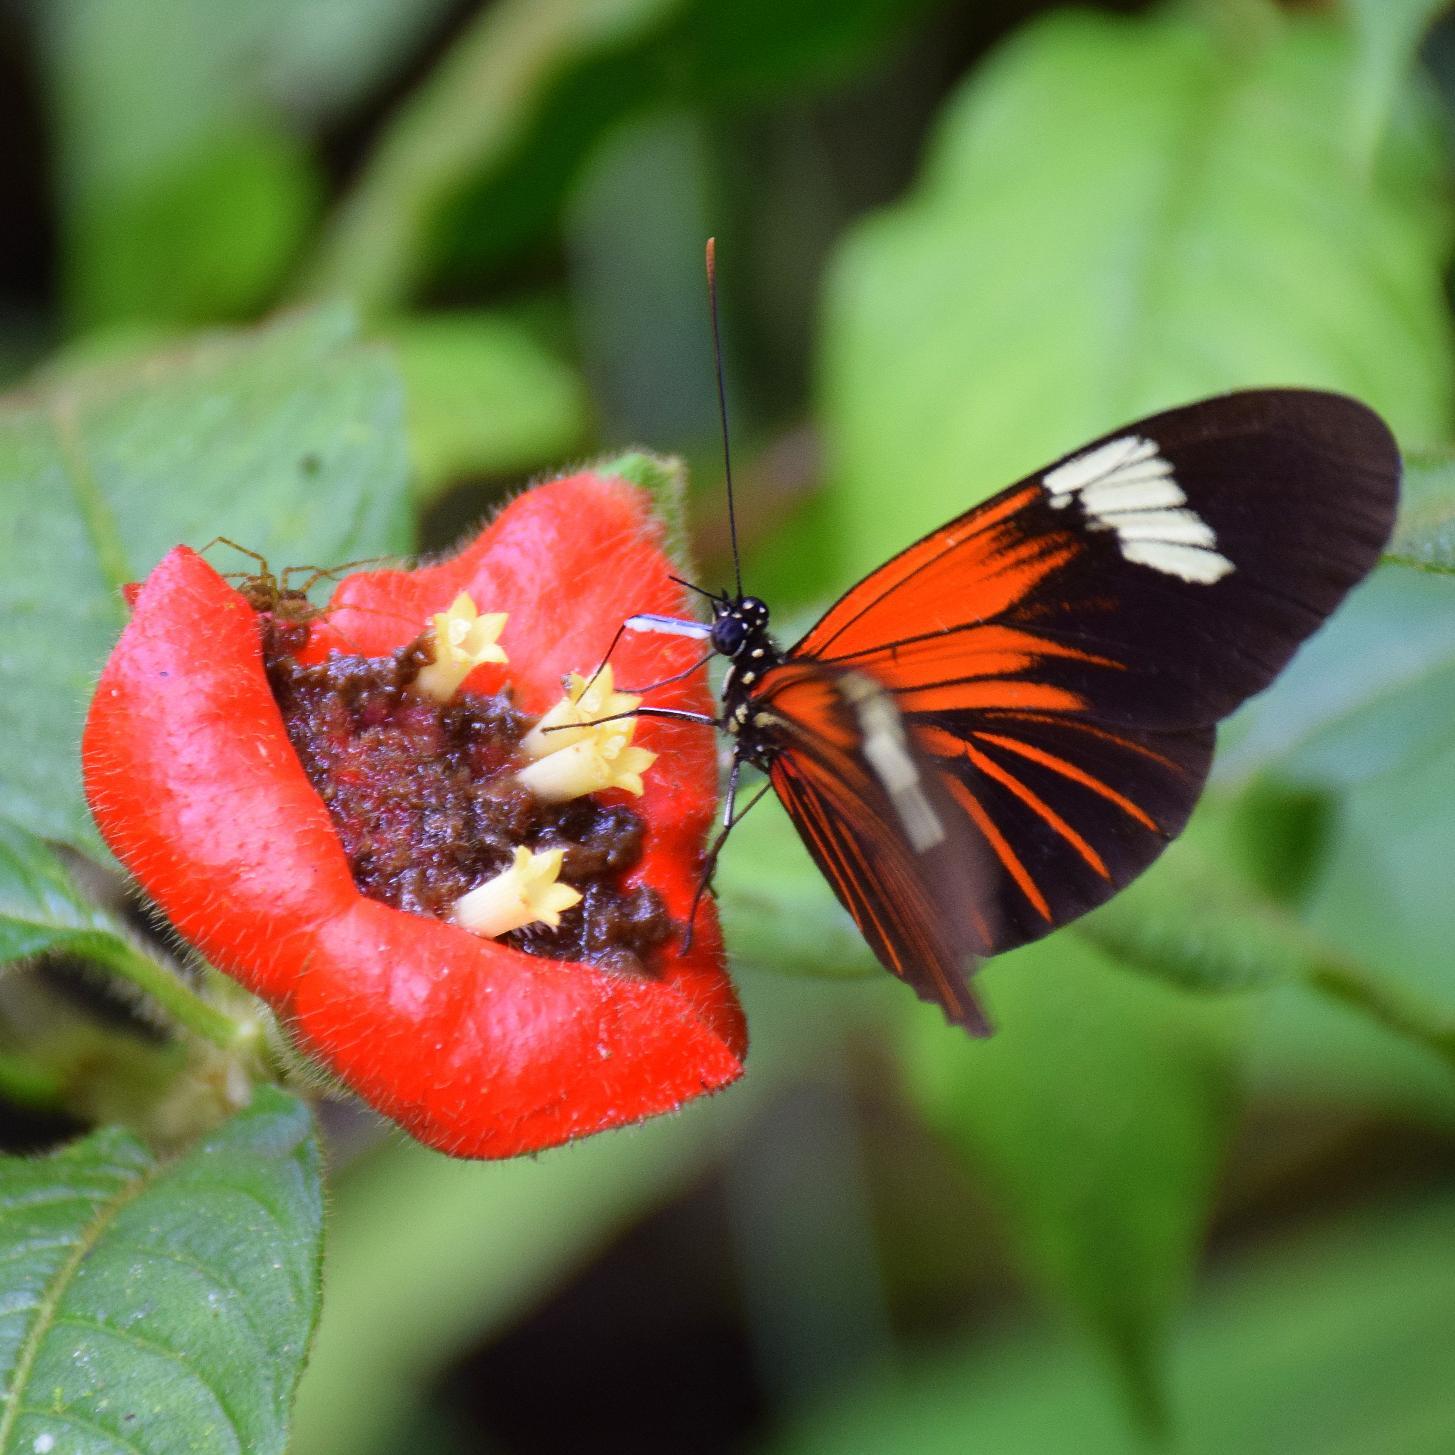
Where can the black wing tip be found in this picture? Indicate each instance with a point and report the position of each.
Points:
(1335, 419)
(1339, 423)
(1344, 438)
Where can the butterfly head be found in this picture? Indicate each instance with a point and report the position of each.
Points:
(738, 625)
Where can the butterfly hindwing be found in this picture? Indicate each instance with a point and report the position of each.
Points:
(1064, 651)
(871, 808)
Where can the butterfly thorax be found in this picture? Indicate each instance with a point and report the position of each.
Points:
(740, 633)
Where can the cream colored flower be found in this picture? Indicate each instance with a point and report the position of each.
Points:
(586, 701)
(526, 893)
(463, 640)
(605, 758)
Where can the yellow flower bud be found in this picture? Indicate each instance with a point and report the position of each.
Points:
(463, 640)
(526, 893)
(605, 758)
(586, 701)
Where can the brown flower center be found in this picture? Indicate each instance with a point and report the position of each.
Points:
(424, 798)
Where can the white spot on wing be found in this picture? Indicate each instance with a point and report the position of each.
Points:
(1104, 462)
(887, 749)
(1151, 492)
(1192, 563)
(1126, 486)
(1183, 526)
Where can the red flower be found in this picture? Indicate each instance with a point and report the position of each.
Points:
(475, 1047)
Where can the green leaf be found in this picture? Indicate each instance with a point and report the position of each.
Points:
(161, 1305)
(41, 909)
(1095, 1121)
(1333, 1340)
(1373, 693)
(483, 399)
(186, 187)
(204, 238)
(1214, 913)
(664, 478)
(1118, 215)
(1388, 33)
(467, 118)
(1385, 895)
(1424, 536)
(478, 164)
(1312, 1049)
(289, 440)
(1193, 923)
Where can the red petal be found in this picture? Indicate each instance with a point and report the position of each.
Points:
(476, 1048)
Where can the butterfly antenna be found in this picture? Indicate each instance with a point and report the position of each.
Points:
(727, 463)
(700, 590)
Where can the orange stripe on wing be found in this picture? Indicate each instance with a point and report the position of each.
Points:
(849, 870)
(1107, 736)
(974, 649)
(990, 694)
(1039, 806)
(979, 550)
(832, 846)
(1075, 774)
(1001, 845)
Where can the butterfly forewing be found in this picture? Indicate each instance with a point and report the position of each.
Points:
(872, 810)
(1063, 652)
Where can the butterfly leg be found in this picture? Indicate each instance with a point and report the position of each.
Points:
(730, 820)
(697, 666)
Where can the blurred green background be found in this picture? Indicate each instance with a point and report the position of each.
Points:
(1199, 1192)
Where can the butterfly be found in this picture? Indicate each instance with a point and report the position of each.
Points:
(1008, 721)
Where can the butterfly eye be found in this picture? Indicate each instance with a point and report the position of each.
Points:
(728, 634)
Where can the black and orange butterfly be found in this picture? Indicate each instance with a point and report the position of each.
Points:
(1008, 721)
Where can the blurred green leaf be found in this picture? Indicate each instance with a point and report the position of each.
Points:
(1095, 1121)
(1424, 536)
(475, 169)
(185, 183)
(759, 48)
(160, 1306)
(1118, 215)
(1334, 1341)
(1214, 912)
(1194, 921)
(1388, 34)
(704, 58)
(1309, 1049)
(203, 237)
(1279, 834)
(41, 909)
(1371, 694)
(1386, 894)
(289, 440)
(464, 119)
(482, 398)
